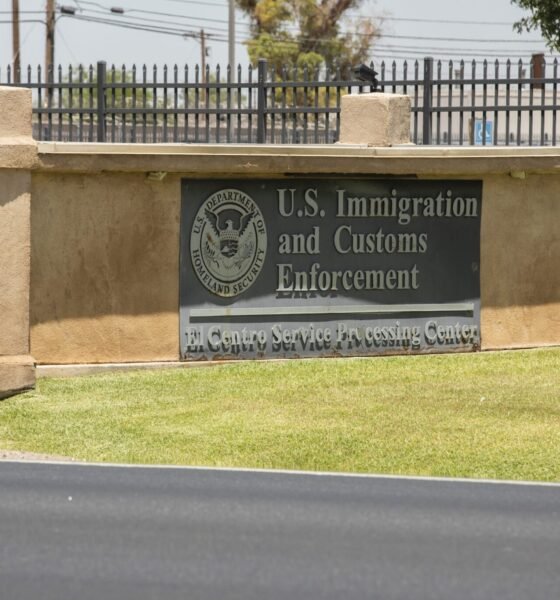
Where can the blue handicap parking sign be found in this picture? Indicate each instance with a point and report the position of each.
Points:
(478, 129)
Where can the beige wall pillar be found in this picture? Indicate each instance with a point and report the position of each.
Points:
(375, 119)
(17, 154)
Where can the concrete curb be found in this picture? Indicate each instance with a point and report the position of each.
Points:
(75, 370)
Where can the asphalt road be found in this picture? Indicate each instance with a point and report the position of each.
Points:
(93, 532)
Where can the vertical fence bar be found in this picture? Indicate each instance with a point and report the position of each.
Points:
(427, 101)
(473, 98)
(113, 103)
(239, 105)
(284, 78)
(496, 101)
(155, 120)
(416, 96)
(228, 103)
(554, 100)
(405, 78)
(261, 102)
(484, 99)
(197, 103)
(91, 101)
(531, 100)
(316, 106)
(462, 102)
(59, 103)
(273, 105)
(123, 104)
(305, 102)
(70, 102)
(328, 75)
(218, 103)
(29, 77)
(133, 135)
(508, 89)
(295, 135)
(449, 103)
(186, 92)
(250, 110)
(50, 91)
(101, 83)
(144, 102)
(543, 86)
(519, 86)
(338, 95)
(175, 104)
(206, 85)
(438, 103)
(165, 103)
(40, 101)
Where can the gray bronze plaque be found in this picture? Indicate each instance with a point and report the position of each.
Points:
(329, 267)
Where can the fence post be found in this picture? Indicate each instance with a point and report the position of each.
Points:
(427, 101)
(261, 101)
(101, 80)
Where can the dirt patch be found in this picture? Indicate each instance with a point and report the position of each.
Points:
(34, 456)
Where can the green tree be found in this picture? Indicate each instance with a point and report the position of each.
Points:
(545, 15)
(294, 33)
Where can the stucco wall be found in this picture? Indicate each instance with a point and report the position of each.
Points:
(104, 275)
(520, 262)
(18, 154)
(104, 267)
(14, 261)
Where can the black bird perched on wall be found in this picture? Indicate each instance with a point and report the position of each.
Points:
(367, 75)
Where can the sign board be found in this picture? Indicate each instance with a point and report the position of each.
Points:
(328, 267)
(483, 130)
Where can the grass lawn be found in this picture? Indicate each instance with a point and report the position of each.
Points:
(488, 415)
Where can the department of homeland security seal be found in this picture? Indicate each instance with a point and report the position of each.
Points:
(228, 242)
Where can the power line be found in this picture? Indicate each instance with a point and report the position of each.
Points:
(457, 39)
(445, 53)
(195, 2)
(170, 28)
(223, 21)
(22, 12)
(158, 13)
(444, 21)
(162, 21)
(137, 26)
(9, 22)
(223, 30)
(415, 49)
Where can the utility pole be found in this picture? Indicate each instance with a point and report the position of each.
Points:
(15, 41)
(231, 34)
(49, 47)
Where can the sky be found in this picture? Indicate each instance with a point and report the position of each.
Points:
(412, 29)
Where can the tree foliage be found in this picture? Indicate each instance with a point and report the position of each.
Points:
(294, 33)
(545, 15)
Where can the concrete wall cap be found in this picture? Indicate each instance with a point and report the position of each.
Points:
(209, 160)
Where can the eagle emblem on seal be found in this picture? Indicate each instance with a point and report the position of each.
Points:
(226, 244)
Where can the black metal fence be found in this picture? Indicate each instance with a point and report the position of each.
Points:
(453, 103)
